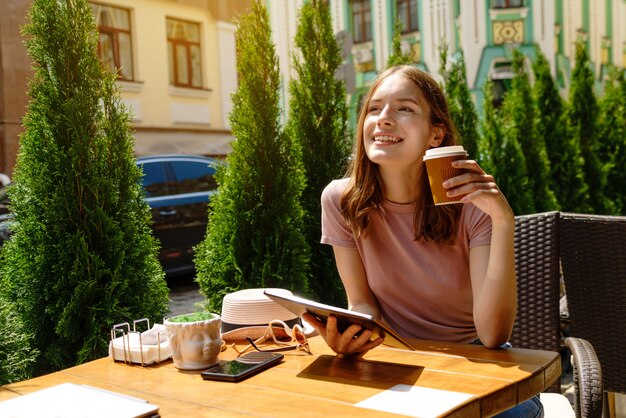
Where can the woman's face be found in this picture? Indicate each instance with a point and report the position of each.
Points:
(397, 130)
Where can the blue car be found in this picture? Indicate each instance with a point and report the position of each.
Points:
(178, 189)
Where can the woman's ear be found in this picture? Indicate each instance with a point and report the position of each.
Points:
(439, 133)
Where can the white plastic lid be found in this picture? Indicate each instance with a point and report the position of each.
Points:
(445, 151)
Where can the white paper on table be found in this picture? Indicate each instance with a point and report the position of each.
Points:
(69, 400)
(414, 401)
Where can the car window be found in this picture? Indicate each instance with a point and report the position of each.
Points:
(155, 179)
(193, 176)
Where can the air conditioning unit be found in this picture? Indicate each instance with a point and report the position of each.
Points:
(363, 55)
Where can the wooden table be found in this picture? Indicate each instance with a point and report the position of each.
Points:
(322, 385)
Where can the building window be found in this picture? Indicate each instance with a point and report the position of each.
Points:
(507, 4)
(407, 14)
(501, 75)
(183, 48)
(114, 42)
(361, 21)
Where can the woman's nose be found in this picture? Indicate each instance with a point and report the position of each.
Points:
(385, 116)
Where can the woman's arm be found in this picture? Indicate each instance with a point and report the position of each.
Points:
(494, 289)
(360, 298)
(352, 273)
(492, 267)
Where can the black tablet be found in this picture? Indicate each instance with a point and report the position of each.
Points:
(298, 306)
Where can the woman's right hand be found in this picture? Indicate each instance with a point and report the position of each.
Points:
(348, 343)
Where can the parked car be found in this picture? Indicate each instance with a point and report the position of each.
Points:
(178, 189)
(5, 215)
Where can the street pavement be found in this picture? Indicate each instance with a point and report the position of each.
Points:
(184, 294)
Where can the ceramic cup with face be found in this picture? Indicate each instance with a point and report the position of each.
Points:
(195, 339)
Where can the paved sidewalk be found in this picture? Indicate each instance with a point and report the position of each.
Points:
(184, 294)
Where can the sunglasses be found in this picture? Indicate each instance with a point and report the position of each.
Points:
(280, 334)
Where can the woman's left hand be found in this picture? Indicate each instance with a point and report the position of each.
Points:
(480, 189)
(354, 341)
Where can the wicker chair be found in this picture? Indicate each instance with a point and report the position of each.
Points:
(593, 260)
(537, 325)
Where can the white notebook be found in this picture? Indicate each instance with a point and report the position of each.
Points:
(69, 400)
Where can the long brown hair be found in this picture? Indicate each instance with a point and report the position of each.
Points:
(365, 192)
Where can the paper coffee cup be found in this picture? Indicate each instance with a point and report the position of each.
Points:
(439, 168)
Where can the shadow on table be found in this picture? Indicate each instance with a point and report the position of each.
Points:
(369, 373)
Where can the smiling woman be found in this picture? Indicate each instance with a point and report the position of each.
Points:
(431, 272)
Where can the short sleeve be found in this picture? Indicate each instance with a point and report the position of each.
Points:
(478, 226)
(335, 231)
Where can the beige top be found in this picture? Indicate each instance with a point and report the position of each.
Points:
(424, 289)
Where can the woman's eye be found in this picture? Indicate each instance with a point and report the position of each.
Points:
(406, 109)
(373, 109)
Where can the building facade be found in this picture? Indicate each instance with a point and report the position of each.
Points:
(176, 65)
(15, 70)
(485, 31)
(177, 59)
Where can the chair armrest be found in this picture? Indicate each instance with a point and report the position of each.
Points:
(588, 388)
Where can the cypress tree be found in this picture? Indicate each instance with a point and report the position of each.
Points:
(504, 158)
(582, 114)
(518, 112)
(397, 57)
(612, 138)
(462, 108)
(255, 232)
(566, 163)
(510, 161)
(16, 354)
(82, 257)
(318, 122)
(489, 145)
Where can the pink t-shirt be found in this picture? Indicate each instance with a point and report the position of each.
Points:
(423, 288)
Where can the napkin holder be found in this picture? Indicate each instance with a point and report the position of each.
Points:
(145, 348)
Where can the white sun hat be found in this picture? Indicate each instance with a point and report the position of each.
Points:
(247, 313)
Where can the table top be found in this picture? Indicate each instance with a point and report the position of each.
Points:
(439, 379)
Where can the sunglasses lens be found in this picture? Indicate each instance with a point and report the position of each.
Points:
(280, 334)
(299, 335)
(283, 335)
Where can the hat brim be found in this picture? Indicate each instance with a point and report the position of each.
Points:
(256, 332)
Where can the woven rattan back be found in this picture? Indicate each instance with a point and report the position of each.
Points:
(537, 325)
(593, 258)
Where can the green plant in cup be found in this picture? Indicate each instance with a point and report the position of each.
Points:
(192, 317)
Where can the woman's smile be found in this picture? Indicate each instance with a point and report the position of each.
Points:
(387, 139)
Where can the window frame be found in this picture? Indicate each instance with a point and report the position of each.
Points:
(409, 12)
(187, 44)
(114, 33)
(361, 37)
(506, 4)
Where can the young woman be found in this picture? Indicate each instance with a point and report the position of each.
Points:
(431, 272)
